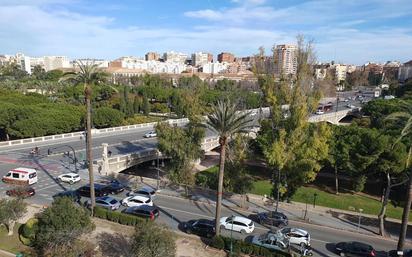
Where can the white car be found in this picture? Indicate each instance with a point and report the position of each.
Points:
(319, 112)
(296, 236)
(70, 178)
(237, 223)
(145, 191)
(137, 200)
(150, 134)
(351, 106)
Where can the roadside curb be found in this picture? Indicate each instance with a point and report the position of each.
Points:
(6, 254)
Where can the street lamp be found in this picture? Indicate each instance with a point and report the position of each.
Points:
(314, 199)
(360, 215)
(277, 191)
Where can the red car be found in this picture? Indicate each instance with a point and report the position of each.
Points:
(21, 192)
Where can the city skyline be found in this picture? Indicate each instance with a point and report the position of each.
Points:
(349, 32)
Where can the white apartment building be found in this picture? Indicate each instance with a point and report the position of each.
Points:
(285, 59)
(56, 62)
(132, 63)
(340, 71)
(175, 57)
(99, 62)
(200, 59)
(214, 67)
(405, 71)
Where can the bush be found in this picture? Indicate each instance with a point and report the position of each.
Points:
(118, 217)
(28, 231)
(218, 242)
(359, 183)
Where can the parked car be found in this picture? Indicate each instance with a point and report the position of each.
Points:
(150, 134)
(201, 227)
(351, 106)
(271, 241)
(144, 211)
(74, 195)
(99, 190)
(296, 236)
(272, 218)
(106, 202)
(146, 191)
(22, 192)
(137, 200)
(112, 186)
(237, 223)
(70, 178)
(355, 249)
(320, 112)
(406, 253)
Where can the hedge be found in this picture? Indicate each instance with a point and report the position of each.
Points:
(27, 232)
(221, 242)
(118, 217)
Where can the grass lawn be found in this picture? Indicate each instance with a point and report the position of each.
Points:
(11, 243)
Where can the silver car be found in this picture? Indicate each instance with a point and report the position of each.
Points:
(106, 202)
(272, 241)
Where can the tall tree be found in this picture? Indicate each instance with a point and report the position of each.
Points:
(11, 211)
(226, 122)
(405, 118)
(88, 75)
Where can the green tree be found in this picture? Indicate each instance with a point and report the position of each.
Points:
(10, 211)
(226, 122)
(146, 106)
(137, 105)
(60, 225)
(87, 76)
(183, 146)
(152, 240)
(405, 118)
(291, 146)
(107, 117)
(38, 72)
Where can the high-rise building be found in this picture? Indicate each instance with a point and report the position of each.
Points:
(200, 58)
(405, 71)
(340, 71)
(225, 57)
(152, 56)
(285, 59)
(175, 57)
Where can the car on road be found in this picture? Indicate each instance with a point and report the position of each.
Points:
(146, 191)
(72, 194)
(271, 241)
(99, 190)
(272, 218)
(320, 112)
(137, 200)
(296, 236)
(237, 223)
(406, 253)
(355, 249)
(351, 106)
(70, 178)
(106, 202)
(144, 211)
(22, 192)
(201, 227)
(150, 134)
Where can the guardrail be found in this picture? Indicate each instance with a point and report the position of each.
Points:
(264, 110)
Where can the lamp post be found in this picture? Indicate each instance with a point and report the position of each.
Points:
(360, 215)
(277, 191)
(158, 173)
(314, 199)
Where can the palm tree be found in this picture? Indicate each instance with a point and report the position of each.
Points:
(406, 131)
(226, 122)
(88, 74)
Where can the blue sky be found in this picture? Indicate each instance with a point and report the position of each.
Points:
(350, 31)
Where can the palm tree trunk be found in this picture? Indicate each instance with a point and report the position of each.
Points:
(220, 186)
(405, 215)
(407, 207)
(382, 213)
(88, 93)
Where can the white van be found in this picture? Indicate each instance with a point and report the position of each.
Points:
(21, 176)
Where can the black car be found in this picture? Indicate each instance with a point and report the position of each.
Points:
(406, 253)
(272, 218)
(22, 192)
(99, 190)
(355, 249)
(202, 227)
(113, 186)
(144, 211)
(74, 195)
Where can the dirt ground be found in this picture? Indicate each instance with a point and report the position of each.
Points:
(193, 247)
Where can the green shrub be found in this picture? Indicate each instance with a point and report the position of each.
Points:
(100, 212)
(28, 231)
(218, 242)
(359, 183)
(113, 216)
(118, 217)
